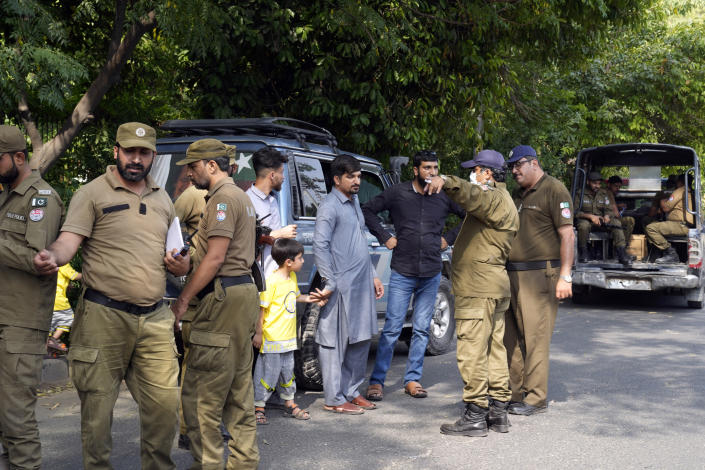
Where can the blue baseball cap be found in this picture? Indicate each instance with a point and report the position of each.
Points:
(521, 151)
(486, 158)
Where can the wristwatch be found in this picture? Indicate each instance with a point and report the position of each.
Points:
(568, 278)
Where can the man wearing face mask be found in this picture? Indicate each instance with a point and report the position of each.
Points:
(418, 220)
(481, 288)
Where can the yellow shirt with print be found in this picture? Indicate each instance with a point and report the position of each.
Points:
(66, 275)
(279, 321)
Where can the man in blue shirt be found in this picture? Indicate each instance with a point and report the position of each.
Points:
(418, 220)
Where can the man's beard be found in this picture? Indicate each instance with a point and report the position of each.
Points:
(421, 180)
(11, 175)
(201, 184)
(133, 176)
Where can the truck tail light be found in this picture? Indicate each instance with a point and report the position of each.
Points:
(695, 253)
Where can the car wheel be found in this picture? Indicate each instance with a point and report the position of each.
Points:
(307, 369)
(442, 330)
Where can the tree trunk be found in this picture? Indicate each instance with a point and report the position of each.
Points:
(47, 155)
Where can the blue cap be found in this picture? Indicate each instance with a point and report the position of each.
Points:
(521, 151)
(486, 158)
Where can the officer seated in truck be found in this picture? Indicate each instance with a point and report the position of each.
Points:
(595, 212)
(676, 224)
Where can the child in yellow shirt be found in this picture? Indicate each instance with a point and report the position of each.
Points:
(62, 318)
(275, 334)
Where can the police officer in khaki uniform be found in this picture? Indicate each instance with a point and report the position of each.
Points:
(539, 273)
(218, 379)
(614, 184)
(30, 216)
(123, 329)
(481, 288)
(676, 223)
(595, 211)
(189, 207)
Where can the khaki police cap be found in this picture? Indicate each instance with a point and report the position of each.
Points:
(208, 149)
(11, 139)
(136, 134)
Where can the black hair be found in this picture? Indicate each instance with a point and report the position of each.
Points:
(344, 164)
(266, 159)
(424, 156)
(223, 162)
(614, 179)
(498, 174)
(286, 248)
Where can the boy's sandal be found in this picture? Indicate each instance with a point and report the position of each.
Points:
(260, 417)
(296, 413)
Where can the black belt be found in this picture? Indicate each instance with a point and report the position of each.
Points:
(102, 299)
(226, 281)
(532, 265)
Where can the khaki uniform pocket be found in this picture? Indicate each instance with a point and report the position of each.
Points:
(26, 360)
(207, 350)
(85, 368)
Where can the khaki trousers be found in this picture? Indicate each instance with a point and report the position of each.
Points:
(21, 353)
(628, 224)
(529, 327)
(657, 232)
(482, 358)
(584, 227)
(218, 379)
(109, 345)
(185, 332)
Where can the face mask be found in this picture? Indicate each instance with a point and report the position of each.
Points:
(473, 178)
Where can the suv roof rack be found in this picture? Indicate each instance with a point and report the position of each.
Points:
(301, 131)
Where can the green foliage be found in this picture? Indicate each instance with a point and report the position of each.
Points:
(390, 77)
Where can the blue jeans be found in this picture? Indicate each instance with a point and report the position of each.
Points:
(401, 288)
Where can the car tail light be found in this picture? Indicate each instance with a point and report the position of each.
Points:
(695, 253)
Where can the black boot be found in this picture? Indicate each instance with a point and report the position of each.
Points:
(473, 422)
(497, 419)
(622, 256)
(669, 256)
(583, 256)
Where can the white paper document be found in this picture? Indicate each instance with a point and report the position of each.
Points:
(174, 239)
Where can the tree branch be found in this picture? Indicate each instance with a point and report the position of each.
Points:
(30, 125)
(116, 36)
(107, 77)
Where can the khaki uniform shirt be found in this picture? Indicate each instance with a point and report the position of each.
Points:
(542, 210)
(189, 206)
(482, 246)
(676, 209)
(123, 253)
(30, 217)
(597, 203)
(229, 213)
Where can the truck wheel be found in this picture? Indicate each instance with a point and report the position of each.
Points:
(307, 369)
(695, 297)
(442, 330)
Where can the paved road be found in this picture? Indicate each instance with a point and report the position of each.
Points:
(626, 391)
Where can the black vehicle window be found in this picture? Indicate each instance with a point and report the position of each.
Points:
(370, 186)
(311, 185)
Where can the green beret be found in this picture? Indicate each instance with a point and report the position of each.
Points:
(136, 134)
(208, 149)
(11, 139)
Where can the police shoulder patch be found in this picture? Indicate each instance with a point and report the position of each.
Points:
(564, 204)
(39, 202)
(220, 216)
(221, 206)
(35, 215)
(44, 192)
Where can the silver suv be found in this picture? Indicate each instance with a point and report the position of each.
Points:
(307, 180)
